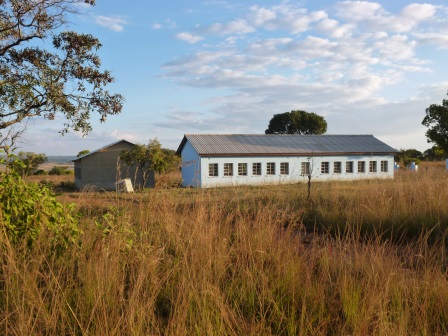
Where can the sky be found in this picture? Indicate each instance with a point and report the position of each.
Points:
(229, 66)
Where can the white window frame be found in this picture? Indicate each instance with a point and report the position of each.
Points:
(349, 167)
(372, 167)
(228, 169)
(384, 166)
(362, 165)
(284, 168)
(256, 169)
(242, 169)
(213, 170)
(337, 167)
(270, 168)
(305, 168)
(325, 167)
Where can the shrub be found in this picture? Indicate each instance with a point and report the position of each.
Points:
(407, 161)
(30, 209)
(60, 170)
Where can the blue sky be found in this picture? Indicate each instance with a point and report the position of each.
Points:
(228, 66)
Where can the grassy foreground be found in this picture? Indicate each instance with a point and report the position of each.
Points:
(359, 258)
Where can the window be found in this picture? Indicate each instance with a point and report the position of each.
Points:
(256, 168)
(361, 166)
(242, 169)
(349, 167)
(337, 167)
(228, 169)
(270, 168)
(384, 167)
(284, 168)
(305, 168)
(372, 167)
(213, 169)
(325, 167)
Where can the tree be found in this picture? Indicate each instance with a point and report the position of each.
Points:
(297, 122)
(82, 153)
(26, 163)
(62, 79)
(434, 153)
(436, 120)
(405, 154)
(150, 157)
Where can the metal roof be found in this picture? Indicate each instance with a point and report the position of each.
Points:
(279, 145)
(102, 148)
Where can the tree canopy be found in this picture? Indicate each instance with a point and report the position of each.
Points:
(436, 120)
(297, 122)
(26, 163)
(45, 71)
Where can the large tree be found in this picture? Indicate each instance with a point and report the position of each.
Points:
(45, 71)
(297, 122)
(436, 120)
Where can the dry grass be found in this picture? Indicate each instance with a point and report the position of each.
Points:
(360, 258)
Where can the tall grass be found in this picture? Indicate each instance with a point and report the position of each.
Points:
(359, 258)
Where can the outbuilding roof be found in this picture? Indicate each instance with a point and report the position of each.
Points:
(285, 144)
(102, 148)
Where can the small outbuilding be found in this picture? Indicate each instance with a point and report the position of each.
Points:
(102, 169)
(210, 160)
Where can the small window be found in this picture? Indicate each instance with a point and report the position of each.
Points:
(242, 169)
(305, 168)
(284, 168)
(384, 167)
(228, 169)
(270, 168)
(337, 167)
(361, 166)
(349, 167)
(372, 167)
(213, 169)
(325, 167)
(256, 168)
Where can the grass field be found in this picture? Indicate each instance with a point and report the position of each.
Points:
(358, 258)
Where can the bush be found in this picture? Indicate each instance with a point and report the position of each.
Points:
(407, 161)
(30, 209)
(60, 170)
(40, 172)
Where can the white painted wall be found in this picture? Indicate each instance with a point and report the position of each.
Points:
(294, 170)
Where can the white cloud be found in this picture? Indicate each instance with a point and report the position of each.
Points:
(239, 26)
(156, 26)
(190, 38)
(115, 23)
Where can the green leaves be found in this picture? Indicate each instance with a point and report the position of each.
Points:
(297, 122)
(436, 120)
(29, 210)
(66, 79)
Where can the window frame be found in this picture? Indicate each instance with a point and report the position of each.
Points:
(337, 167)
(270, 168)
(325, 167)
(349, 167)
(228, 169)
(256, 169)
(305, 168)
(384, 166)
(363, 165)
(242, 168)
(373, 167)
(284, 165)
(215, 169)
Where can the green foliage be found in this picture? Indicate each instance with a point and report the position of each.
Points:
(60, 170)
(297, 122)
(434, 153)
(29, 210)
(151, 157)
(65, 78)
(82, 153)
(26, 163)
(406, 154)
(436, 120)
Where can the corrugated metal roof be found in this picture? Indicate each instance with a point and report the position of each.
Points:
(267, 144)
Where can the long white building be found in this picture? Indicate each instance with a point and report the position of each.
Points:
(210, 160)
